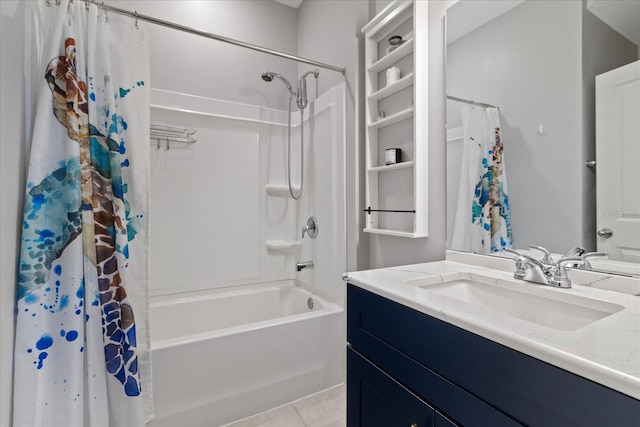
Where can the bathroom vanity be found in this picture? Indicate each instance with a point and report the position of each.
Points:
(446, 343)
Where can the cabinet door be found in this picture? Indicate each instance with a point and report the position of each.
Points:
(374, 399)
(442, 421)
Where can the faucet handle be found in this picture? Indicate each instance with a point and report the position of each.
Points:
(521, 267)
(520, 257)
(560, 277)
(574, 252)
(586, 265)
(524, 262)
(311, 227)
(546, 259)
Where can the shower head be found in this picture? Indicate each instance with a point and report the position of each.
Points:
(268, 76)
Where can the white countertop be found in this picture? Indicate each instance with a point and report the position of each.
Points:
(606, 351)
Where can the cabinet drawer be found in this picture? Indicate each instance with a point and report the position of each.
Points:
(444, 364)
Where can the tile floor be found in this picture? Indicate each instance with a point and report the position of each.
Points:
(324, 409)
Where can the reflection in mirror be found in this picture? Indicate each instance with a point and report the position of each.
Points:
(537, 62)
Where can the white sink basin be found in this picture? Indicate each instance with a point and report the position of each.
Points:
(529, 302)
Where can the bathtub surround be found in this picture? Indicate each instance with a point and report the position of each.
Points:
(243, 230)
(82, 345)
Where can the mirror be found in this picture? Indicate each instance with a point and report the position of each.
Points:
(537, 62)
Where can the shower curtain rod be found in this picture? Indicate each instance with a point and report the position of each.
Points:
(466, 101)
(217, 37)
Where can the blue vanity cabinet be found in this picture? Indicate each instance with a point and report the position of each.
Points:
(399, 358)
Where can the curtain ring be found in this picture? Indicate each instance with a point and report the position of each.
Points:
(57, 2)
(48, 3)
(136, 13)
(106, 17)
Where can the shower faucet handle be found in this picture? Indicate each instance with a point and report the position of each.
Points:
(311, 227)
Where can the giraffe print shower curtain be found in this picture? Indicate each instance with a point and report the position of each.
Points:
(82, 340)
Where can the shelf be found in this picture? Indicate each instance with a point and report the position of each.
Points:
(283, 246)
(401, 165)
(408, 185)
(394, 118)
(280, 190)
(391, 58)
(389, 90)
(395, 233)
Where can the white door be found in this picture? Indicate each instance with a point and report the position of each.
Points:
(618, 162)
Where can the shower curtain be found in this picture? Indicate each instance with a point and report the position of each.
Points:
(482, 220)
(82, 341)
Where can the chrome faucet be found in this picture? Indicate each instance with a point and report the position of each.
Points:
(304, 264)
(532, 270)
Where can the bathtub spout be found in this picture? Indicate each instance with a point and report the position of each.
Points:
(304, 264)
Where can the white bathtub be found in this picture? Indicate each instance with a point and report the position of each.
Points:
(225, 355)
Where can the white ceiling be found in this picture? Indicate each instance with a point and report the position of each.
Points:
(291, 3)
